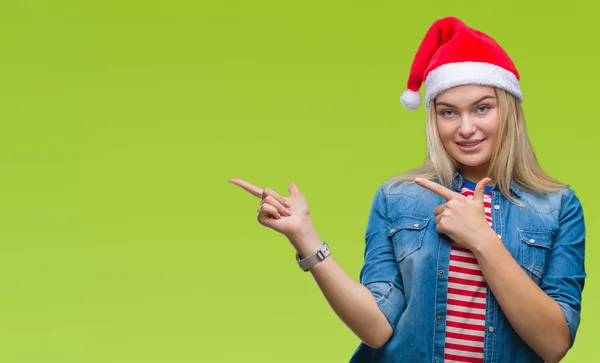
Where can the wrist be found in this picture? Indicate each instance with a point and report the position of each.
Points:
(306, 240)
(486, 243)
(309, 262)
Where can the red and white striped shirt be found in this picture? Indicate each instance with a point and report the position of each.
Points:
(465, 315)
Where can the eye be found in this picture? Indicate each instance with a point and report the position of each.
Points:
(482, 109)
(447, 113)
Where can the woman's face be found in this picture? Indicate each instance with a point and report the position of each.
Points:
(466, 121)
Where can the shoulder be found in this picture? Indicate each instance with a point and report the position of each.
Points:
(405, 198)
(404, 188)
(549, 202)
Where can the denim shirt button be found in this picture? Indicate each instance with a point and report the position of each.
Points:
(439, 318)
(436, 361)
(532, 241)
(491, 329)
(441, 272)
(499, 237)
(496, 207)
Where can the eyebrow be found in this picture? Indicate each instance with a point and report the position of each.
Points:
(472, 104)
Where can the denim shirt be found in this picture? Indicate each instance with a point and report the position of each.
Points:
(406, 267)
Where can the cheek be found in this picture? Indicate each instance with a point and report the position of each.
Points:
(445, 131)
(490, 125)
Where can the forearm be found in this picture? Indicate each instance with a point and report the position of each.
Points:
(352, 302)
(535, 316)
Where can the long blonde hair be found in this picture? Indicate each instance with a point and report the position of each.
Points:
(513, 159)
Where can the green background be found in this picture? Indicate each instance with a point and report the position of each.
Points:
(121, 123)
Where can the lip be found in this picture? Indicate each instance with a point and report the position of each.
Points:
(470, 149)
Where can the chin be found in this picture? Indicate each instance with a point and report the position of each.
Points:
(479, 158)
(471, 161)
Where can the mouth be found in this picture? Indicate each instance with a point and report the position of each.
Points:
(470, 145)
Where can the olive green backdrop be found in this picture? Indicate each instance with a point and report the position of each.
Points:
(122, 121)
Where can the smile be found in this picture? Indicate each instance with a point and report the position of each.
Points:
(471, 145)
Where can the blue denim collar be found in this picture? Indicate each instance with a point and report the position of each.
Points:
(458, 180)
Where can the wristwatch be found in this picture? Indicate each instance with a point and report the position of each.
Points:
(307, 263)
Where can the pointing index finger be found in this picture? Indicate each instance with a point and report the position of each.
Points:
(436, 188)
(250, 188)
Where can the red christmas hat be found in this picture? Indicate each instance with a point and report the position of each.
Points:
(452, 54)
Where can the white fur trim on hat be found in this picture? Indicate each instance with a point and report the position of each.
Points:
(451, 75)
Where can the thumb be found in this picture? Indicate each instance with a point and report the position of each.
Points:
(293, 189)
(480, 189)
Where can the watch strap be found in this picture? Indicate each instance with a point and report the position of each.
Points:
(308, 262)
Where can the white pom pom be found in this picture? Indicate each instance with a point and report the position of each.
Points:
(410, 99)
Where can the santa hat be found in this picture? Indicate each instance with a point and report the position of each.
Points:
(452, 54)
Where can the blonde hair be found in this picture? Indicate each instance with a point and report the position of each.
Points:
(513, 159)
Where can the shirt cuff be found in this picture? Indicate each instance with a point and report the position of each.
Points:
(390, 300)
(572, 317)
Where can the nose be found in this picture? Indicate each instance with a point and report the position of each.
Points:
(467, 127)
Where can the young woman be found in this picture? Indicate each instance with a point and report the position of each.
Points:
(477, 255)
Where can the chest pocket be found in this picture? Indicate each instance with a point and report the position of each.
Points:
(535, 250)
(406, 233)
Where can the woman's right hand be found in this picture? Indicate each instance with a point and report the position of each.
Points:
(287, 215)
(351, 301)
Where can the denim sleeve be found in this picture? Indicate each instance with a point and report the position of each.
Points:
(565, 276)
(380, 272)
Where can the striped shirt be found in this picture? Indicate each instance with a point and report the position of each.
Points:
(465, 316)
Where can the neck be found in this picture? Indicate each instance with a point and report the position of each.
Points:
(475, 173)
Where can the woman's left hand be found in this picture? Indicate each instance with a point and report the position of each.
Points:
(460, 218)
